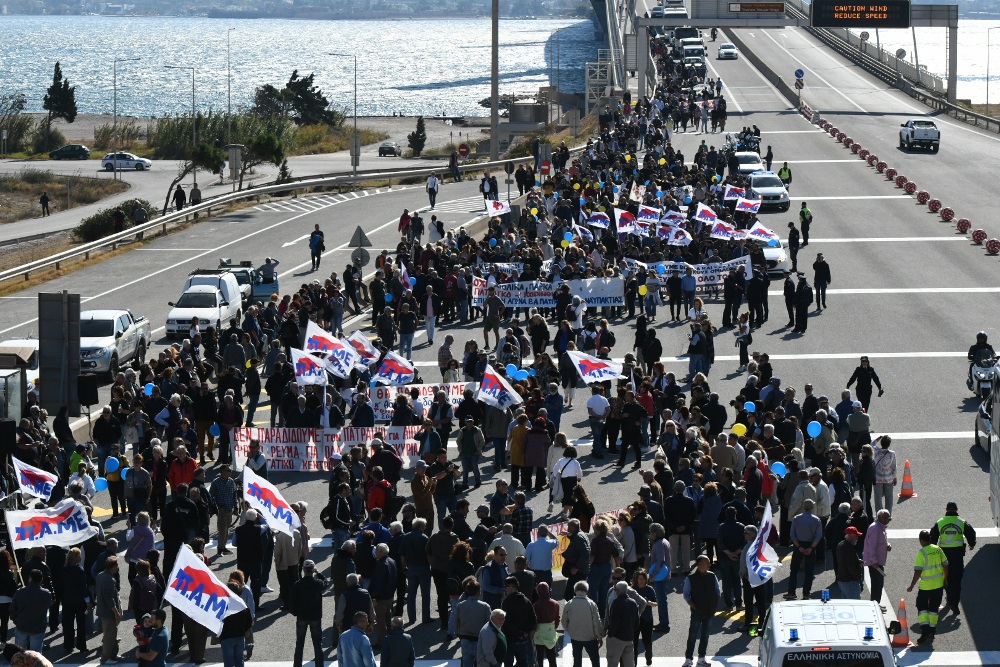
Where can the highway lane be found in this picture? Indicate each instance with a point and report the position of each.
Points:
(926, 402)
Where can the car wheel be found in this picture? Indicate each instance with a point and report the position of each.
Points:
(901, 145)
(84, 157)
(139, 167)
(109, 167)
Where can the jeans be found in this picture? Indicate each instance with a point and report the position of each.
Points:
(469, 648)
(808, 565)
(732, 590)
(663, 609)
(698, 631)
(470, 462)
(463, 309)
(821, 294)
(849, 590)
(597, 429)
(600, 581)
(418, 576)
(232, 651)
(883, 496)
(102, 453)
(521, 653)
(30, 642)
(696, 364)
(432, 196)
(340, 536)
(430, 321)
(316, 633)
(591, 647)
(445, 504)
(252, 408)
(688, 301)
(499, 452)
(406, 345)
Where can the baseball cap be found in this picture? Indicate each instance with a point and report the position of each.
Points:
(856, 404)
(851, 530)
(421, 464)
(337, 456)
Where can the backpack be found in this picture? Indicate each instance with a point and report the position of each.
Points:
(145, 594)
(608, 338)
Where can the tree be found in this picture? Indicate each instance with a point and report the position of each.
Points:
(300, 100)
(203, 156)
(264, 148)
(59, 100)
(418, 138)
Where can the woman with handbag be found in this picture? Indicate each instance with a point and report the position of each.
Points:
(744, 339)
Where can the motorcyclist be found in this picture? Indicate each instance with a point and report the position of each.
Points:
(715, 33)
(981, 351)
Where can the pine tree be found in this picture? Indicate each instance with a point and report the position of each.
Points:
(418, 138)
(59, 100)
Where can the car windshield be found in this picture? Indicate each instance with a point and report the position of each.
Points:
(196, 300)
(748, 159)
(767, 182)
(242, 277)
(96, 328)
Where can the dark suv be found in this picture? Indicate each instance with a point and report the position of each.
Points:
(71, 152)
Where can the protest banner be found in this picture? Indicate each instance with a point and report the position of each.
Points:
(198, 594)
(34, 481)
(558, 530)
(310, 449)
(707, 275)
(597, 292)
(264, 497)
(381, 397)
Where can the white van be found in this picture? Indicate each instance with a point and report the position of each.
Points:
(214, 299)
(690, 41)
(693, 52)
(837, 633)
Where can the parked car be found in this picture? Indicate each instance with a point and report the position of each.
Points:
(728, 51)
(390, 149)
(114, 161)
(70, 152)
(922, 133)
(109, 338)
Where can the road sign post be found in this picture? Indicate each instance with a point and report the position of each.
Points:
(508, 169)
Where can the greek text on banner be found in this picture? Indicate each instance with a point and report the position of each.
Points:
(597, 292)
(310, 449)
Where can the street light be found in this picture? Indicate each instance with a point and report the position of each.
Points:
(115, 79)
(988, 52)
(194, 119)
(356, 147)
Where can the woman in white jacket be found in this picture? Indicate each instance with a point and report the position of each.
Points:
(565, 475)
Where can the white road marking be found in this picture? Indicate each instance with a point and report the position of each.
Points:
(821, 356)
(914, 290)
(851, 197)
(808, 69)
(932, 435)
(894, 239)
(795, 132)
(856, 161)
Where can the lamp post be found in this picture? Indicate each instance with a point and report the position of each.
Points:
(194, 118)
(356, 145)
(229, 101)
(989, 51)
(115, 79)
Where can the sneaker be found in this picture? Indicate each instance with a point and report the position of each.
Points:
(704, 663)
(688, 663)
(791, 596)
(266, 589)
(551, 507)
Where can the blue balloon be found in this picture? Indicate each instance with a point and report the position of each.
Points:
(659, 193)
(101, 484)
(616, 189)
(388, 298)
(661, 269)
(521, 375)
(148, 389)
(532, 372)
(659, 573)
(511, 370)
(778, 468)
(111, 464)
(493, 243)
(124, 473)
(568, 236)
(646, 183)
(687, 200)
(215, 430)
(749, 406)
(773, 243)
(814, 429)
(413, 281)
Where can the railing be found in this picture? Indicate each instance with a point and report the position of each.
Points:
(207, 205)
(988, 123)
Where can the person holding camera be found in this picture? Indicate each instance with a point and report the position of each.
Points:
(445, 472)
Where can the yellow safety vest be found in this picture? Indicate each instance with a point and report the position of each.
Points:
(784, 173)
(952, 532)
(930, 562)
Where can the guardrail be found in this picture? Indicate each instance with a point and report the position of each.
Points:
(207, 205)
(988, 123)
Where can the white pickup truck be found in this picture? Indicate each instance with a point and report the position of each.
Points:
(923, 133)
(109, 338)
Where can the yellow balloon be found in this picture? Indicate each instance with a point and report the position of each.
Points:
(628, 158)
(534, 211)
(740, 430)
(663, 160)
(643, 290)
(565, 243)
(601, 209)
(576, 186)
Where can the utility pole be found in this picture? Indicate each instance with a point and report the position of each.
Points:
(495, 84)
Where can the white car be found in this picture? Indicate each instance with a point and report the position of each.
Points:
(768, 188)
(776, 255)
(728, 51)
(110, 338)
(749, 162)
(31, 373)
(206, 302)
(114, 161)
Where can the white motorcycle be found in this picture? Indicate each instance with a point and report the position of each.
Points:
(984, 374)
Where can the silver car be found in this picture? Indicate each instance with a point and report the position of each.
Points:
(120, 161)
(728, 51)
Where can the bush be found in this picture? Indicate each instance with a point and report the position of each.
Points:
(102, 223)
(20, 130)
(46, 139)
(34, 176)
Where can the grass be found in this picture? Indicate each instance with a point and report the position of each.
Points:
(315, 139)
(20, 191)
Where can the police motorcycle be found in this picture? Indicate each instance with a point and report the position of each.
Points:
(984, 369)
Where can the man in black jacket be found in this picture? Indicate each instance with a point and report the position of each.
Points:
(576, 557)
(276, 385)
(307, 606)
(180, 521)
(680, 513)
(249, 552)
(803, 299)
(788, 290)
(521, 622)
(621, 623)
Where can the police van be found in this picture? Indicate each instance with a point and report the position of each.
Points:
(833, 633)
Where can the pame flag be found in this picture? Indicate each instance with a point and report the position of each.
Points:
(308, 369)
(733, 193)
(64, 525)
(599, 220)
(679, 237)
(195, 591)
(34, 481)
(625, 221)
(394, 370)
(264, 497)
(340, 357)
(762, 233)
(748, 205)
(675, 218)
(706, 214)
(496, 208)
(591, 369)
(496, 391)
(725, 231)
(365, 349)
(583, 233)
(648, 213)
(761, 559)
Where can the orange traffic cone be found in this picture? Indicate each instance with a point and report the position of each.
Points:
(903, 637)
(906, 491)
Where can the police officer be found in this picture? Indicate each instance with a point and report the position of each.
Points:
(865, 376)
(785, 174)
(951, 532)
(732, 291)
(805, 219)
(756, 293)
(789, 292)
(793, 245)
(930, 568)
(803, 299)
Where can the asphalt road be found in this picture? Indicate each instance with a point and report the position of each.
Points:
(906, 290)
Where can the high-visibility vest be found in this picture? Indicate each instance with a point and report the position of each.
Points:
(930, 561)
(784, 173)
(952, 532)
